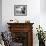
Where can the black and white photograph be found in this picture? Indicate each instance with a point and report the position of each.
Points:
(20, 10)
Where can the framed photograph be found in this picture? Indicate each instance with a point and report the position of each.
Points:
(20, 10)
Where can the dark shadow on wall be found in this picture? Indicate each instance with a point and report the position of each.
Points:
(0, 15)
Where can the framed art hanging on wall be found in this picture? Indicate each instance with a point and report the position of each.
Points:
(20, 10)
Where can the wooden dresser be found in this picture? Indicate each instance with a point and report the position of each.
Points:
(22, 33)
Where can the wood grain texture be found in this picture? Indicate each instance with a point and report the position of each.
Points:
(22, 27)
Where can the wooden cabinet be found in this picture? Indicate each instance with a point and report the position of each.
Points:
(22, 33)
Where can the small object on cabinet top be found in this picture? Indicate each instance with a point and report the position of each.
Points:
(27, 21)
(13, 21)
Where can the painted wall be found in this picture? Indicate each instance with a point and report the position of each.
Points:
(0, 15)
(33, 10)
(43, 14)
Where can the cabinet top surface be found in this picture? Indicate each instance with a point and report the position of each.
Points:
(19, 23)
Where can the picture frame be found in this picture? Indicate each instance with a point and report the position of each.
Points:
(20, 10)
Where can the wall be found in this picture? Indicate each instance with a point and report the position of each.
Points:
(33, 14)
(33, 10)
(0, 15)
(43, 14)
(43, 6)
